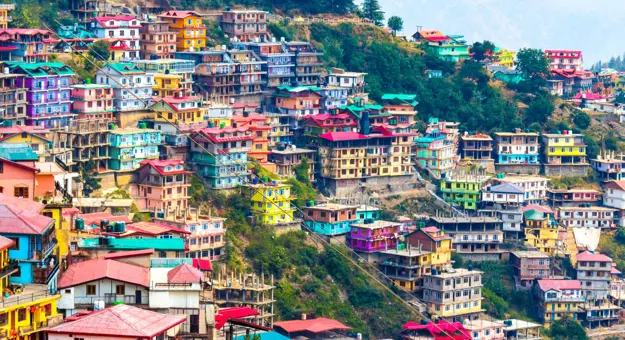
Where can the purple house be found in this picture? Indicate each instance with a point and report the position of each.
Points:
(47, 92)
(374, 236)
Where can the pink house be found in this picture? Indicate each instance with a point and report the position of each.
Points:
(162, 185)
(17, 179)
(373, 236)
(92, 99)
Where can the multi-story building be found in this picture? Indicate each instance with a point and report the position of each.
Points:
(207, 239)
(505, 57)
(614, 197)
(463, 190)
(25, 44)
(372, 236)
(12, 99)
(316, 125)
(33, 137)
(307, 62)
(130, 146)
(571, 197)
(475, 238)
(349, 160)
(166, 69)
(504, 201)
(259, 128)
(5, 18)
(122, 31)
(169, 85)
(333, 97)
(476, 149)
(354, 82)
(517, 151)
(555, 299)
(401, 111)
(162, 185)
(270, 204)
(132, 86)
(225, 167)
(541, 230)
(593, 272)
(47, 92)
(454, 294)
(177, 110)
(530, 265)
(230, 76)
(330, 218)
(280, 129)
(565, 153)
(535, 187)
(289, 157)
(280, 67)
(586, 216)
(92, 100)
(609, 166)
(503, 194)
(298, 101)
(247, 290)
(436, 150)
(157, 40)
(453, 48)
(189, 28)
(565, 59)
(245, 25)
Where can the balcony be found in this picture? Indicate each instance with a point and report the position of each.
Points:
(30, 294)
(109, 299)
(46, 249)
(45, 274)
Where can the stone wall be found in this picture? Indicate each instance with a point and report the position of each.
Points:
(566, 170)
(523, 169)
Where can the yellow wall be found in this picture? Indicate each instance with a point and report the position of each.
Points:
(197, 36)
(60, 228)
(268, 210)
(31, 321)
(457, 311)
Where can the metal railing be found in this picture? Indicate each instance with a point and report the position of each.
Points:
(19, 299)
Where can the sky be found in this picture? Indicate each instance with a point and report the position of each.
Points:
(593, 26)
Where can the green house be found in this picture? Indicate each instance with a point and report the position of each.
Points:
(464, 190)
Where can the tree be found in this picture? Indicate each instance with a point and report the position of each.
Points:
(480, 50)
(90, 183)
(581, 119)
(100, 50)
(567, 329)
(535, 67)
(372, 10)
(301, 171)
(539, 110)
(396, 24)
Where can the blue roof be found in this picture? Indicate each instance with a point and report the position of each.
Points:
(17, 152)
(508, 188)
(266, 336)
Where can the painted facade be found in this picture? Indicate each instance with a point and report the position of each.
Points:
(179, 72)
(162, 185)
(130, 146)
(374, 236)
(564, 148)
(270, 204)
(132, 87)
(463, 190)
(454, 295)
(25, 44)
(122, 32)
(245, 25)
(330, 219)
(517, 147)
(189, 29)
(12, 99)
(157, 40)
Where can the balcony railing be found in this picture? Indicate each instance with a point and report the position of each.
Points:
(20, 299)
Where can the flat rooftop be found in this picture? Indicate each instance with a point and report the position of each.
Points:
(331, 206)
(456, 273)
(483, 219)
(535, 254)
(406, 252)
(376, 224)
(476, 325)
(522, 178)
(290, 151)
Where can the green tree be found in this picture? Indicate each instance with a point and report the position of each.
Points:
(581, 119)
(396, 24)
(480, 50)
(535, 67)
(301, 171)
(539, 110)
(100, 50)
(567, 329)
(372, 10)
(90, 183)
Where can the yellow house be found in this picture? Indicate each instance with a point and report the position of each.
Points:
(168, 85)
(187, 110)
(34, 136)
(5, 18)
(6, 268)
(556, 299)
(541, 230)
(189, 28)
(28, 311)
(61, 227)
(564, 148)
(270, 203)
(505, 57)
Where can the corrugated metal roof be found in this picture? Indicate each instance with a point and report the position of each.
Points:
(100, 268)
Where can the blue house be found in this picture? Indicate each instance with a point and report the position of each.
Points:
(35, 244)
(130, 146)
(330, 219)
(367, 212)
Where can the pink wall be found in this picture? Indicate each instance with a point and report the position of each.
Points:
(16, 176)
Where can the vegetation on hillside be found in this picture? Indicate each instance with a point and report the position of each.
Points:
(291, 7)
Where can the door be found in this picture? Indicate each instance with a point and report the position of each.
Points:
(138, 297)
(194, 323)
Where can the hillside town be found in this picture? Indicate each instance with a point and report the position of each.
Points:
(96, 179)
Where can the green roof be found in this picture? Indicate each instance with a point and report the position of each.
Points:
(158, 244)
(124, 67)
(534, 215)
(17, 152)
(410, 99)
(356, 109)
(42, 69)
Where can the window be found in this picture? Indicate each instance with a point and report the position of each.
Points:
(90, 289)
(4, 318)
(20, 192)
(120, 290)
(21, 314)
(1, 167)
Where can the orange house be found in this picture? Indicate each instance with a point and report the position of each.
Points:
(189, 28)
(260, 144)
(298, 101)
(17, 179)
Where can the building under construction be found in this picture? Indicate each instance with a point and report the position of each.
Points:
(246, 290)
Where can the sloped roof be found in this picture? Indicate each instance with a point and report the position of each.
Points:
(546, 285)
(130, 253)
(592, 257)
(22, 203)
(318, 325)
(184, 273)
(178, 14)
(617, 185)
(101, 268)
(120, 321)
(341, 136)
(152, 228)
(507, 187)
(17, 152)
(537, 207)
(14, 220)
(225, 314)
(202, 264)
(5, 242)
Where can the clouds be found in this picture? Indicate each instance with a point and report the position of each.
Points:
(592, 26)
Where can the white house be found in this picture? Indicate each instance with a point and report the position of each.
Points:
(122, 31)
(84, 283)
(614, 197)
(535, 187)
(506, 194)
(354, 82)
(586, 216)
(504, 202)
(333, 97)
(132, 86)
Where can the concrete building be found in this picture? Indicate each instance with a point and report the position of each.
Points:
(130, 146)
(354, 82)
(529, 265)
(132, 86)
(245, 25)
(307, 63)
(517, 151)
(555, 299)
(435, 152)
(504, 201)
(614, 197)
(475, 238)
(370, 237)
(189, 28)
(476, 150)
(542, 230)
(157, 40)
(290, 157)
(162, 185)
(571, 197)
(586, 217)
(179, 72)
(270, 204)
(454, 294)
(535, 187)
(609, 166)
(122, 31)
(12, 99)
(330, 219)
(565, 59)
(564, 153)
(463, 189)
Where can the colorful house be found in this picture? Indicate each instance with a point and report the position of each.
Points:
(614, 197)
(130, 146)
(259, 128)
(565, 59)
(157, 40)
(280, 66)
(6, 268)
(454, 49)
(573, 197)
(17, 179)
(122, 31)
(435, 152)
(401, 110)
(373, 236)
(169, 85)
(316, 125)
(244, 25)
(307, 63)
(505, 57)
(354, 82)
(463, 190)
(289, 157)
(516, 148)
(609, 166)
(178, 110)
(530, 265)
(166, 69)
(12, 99)
(270, 204)
(477, 149)
(132, 86)
(34, 137)
(189, 29)
(92, 100)
(5, 18)
(225, 164)
(207, 238)
(47, 92)
(25, 44)
(556, 299)
(330, 219)
(541, 229)
(565, 152)
(28, 312)
(586, 216)
(298, 101)
(162, 185)
(455, 294)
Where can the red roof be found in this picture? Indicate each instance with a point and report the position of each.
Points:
(588, 256)
(249, 118)
(242, 105)
(203, 264)
(589, 96)
(24, 31)
(342, 136)
(160, 165)
(100, 268)
(618, 185)
(20, 165)
(225, 314)
(319, 325)
(5, 242)
(184, 273)
(120, 321)
(22, 203)
(15, 129)
(96, 218)
(103, 21)
(440, 331)
(14, 220)
(130, 253)
(546, 285)
(178, 14)
(153, 229)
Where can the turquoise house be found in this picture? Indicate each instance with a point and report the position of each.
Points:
(367, 212)
(453, 49)
(509, 76)
(34, 248)
(330, 219)
(129, 146)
